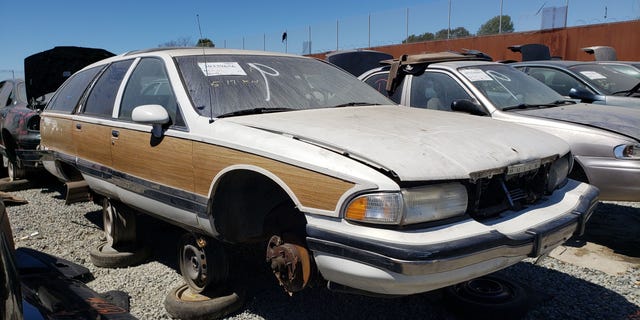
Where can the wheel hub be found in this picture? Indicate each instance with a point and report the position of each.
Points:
(290, 263)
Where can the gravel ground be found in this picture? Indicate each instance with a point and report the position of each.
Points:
(556, 290)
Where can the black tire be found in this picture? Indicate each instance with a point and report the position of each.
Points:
(182, 303)
(14, 172)
(109, 258)
(487, 297)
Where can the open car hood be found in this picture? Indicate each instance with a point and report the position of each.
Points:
(47, 70)
(415, 144)
(625, 121)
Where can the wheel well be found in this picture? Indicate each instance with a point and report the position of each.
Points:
(578, 173)
(248, 207)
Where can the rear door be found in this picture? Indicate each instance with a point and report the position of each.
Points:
(93, 125)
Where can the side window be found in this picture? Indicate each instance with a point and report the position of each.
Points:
(435, 90)
(149, 84)
(103, 94)
(556, 79)
(70, 93)
(379, 82)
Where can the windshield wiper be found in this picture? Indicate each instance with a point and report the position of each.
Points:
(253, 111)
(539, 106)
(629, 92)
(354, 104)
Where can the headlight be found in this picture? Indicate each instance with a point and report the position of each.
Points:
(627, 151)
(415, 205)
(385, 208)
(434, 202)
(558, 172)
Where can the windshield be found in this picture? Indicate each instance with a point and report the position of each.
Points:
(223, 85)
(605, 78)
(507, 87)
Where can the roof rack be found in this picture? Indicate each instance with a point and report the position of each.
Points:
(396, 73)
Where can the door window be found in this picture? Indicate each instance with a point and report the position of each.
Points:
(68, 96)
(103, 95)
(435, 90)
(149, 84)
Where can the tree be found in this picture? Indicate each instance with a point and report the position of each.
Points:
(458, 32)
(492, 26)
(419, 38)
(205, 42)
(180, 42)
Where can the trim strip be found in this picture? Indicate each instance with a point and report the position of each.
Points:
(178, 198)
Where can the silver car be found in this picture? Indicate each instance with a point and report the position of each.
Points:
(604, 139)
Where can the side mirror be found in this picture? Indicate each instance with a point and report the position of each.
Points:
(153, 114)
(468, 106)
(585, 95)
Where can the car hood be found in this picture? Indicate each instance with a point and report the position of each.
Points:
(625, 121)
(413, 144)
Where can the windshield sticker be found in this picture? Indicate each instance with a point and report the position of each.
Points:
(221, 69)
(593, 75)
(475, 75)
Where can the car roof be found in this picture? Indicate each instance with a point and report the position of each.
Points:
(556, 63)
(190, 51)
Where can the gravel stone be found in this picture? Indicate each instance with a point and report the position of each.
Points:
(557, 290)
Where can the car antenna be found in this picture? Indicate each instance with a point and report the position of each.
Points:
(206, 71)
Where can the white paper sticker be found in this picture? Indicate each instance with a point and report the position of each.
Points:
(593, 75)
(476, 75)
(221, 69)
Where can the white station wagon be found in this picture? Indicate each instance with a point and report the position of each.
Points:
(336, 181)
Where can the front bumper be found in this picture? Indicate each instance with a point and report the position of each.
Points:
(397, 262)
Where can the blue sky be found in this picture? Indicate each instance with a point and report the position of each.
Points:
(119, 26)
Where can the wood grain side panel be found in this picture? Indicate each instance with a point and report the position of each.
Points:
(56, 134)
(167, 162)
(92, 142)
(312, 189)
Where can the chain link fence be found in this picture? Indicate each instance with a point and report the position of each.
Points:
(395, 26)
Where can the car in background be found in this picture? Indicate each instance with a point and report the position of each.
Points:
(37, 285)
(605, 140)
(333, 182)
(21, 102)
(600, 82)
(19, 129)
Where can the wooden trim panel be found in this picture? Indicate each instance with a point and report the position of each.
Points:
(313, 189)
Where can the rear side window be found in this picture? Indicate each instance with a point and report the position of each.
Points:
(103, 95)
(68, 96)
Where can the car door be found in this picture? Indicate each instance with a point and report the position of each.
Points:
(92, 126)
(57, 133)
(161, 167)
(558, 80)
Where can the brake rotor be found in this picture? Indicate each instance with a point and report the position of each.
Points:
(290, 262)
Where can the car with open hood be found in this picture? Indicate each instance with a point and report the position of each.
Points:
(604, 140)
(332, 180)
(21, 102)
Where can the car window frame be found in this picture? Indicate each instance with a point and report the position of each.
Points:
(80, 102)
(82, 109)
(125, 82)
(457, 80)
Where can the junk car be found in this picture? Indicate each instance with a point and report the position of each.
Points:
(333, 181)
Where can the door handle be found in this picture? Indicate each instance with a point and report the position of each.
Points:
(78, 126)
(115, 133)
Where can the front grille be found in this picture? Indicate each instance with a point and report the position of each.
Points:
(491, 195)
